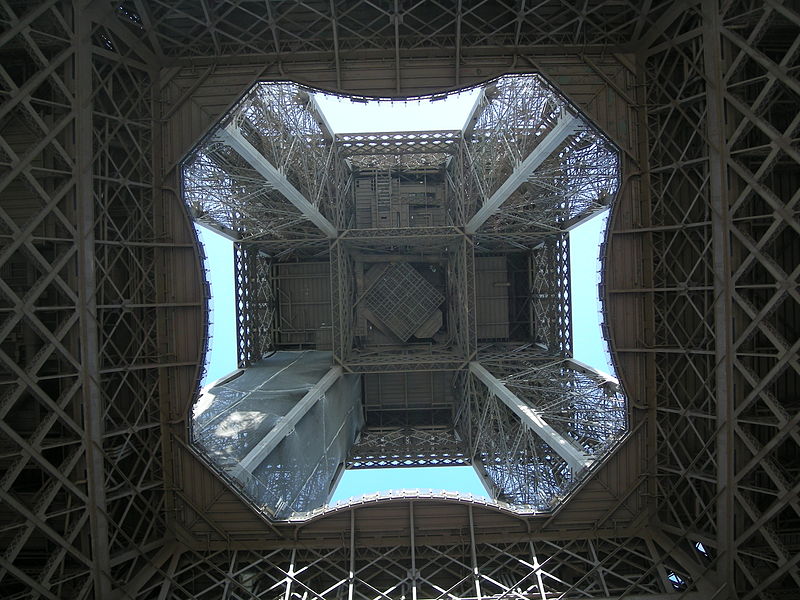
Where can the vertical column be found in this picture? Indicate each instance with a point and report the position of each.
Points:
(287, 423)
(532, 419)
(721, 252)
(233, 138)
(287, 594)
(476, 575)
(538, 572)
(568, 125)
(413, 574)
(166, 586)
(91, 398)
(647, 264)
(351, 577)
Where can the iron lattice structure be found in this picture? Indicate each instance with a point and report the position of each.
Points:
(525, 168)
(104, 301)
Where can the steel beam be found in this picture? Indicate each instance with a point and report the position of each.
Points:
(538, 572)
(286, 424)
(579, 220)
(566, 126)
(603, 379)
(287, 595)
(233, 138)
(484, 97)
(413, 575)
(483, 476)
(91, 394)
(476, 573)
(723, 303)
(576, 459)
(351, 577)
(313, 107)
(215, 226)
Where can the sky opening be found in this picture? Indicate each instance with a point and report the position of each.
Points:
(347, 116)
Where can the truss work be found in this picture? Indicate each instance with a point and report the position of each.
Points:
(103, 300)
(404, 277)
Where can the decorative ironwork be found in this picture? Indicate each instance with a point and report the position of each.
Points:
(255, 304)
(402, 299)
(407, 448)
(520, 131)
(103, 310)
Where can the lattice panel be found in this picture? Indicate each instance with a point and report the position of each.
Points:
(550, 294)
(570, 568)
(521, 466)
(726, 310)
(290, 27)
(406, 448)
(403, 299)
(82, 490)
(87, 436)
(255, 304)
(228, 190)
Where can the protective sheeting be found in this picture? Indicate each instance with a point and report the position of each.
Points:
(231, 418)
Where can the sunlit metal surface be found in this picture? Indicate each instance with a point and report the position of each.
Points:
(414, 210)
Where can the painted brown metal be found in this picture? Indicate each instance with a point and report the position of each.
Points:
(701, 464)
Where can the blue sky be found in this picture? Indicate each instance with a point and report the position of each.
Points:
(346, 116)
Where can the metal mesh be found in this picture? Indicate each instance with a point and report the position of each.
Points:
(403, 299)
(232, 417)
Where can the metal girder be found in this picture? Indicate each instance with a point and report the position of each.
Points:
(675, 111)
(399, 448)
(397, 143)
(320, 118)
(568, 125)
(92, 405)
(255, 303)
(576, 459)
(726, 221)
(592, 373)
(576, 222)
(723, 306)
(232, 137)
(287, 423)
(486, 481)
(484, 97)
(411, 560)
(229, 234)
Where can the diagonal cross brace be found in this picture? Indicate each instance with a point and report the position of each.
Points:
(566, 126)
(531, 417)
(287, 423)
(233, 138)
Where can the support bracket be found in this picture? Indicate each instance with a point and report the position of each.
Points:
(531, 417)
(287, 424)
(233, 138)
(566, 126)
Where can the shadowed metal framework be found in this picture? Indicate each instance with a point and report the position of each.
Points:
(413, 289)
(103, 300)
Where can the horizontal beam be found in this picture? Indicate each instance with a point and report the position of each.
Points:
(566, 126)
(531, 417)
(601, 378)
(215, 226)
(233, 138)
(287, 423)
(579, 220)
